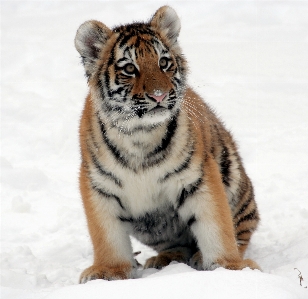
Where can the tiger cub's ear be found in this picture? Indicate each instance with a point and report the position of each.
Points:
(90, 39)
(166, 21)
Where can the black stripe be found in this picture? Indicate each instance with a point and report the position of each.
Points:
(181, 168)
(140, 111)
(171, 104)
(102, 171)
(175, 71)
(176, 80)
(125, 219)
(172, 94)
(126, 51)
(170, 66)
(194, 186)
(124, 41)
(185, 193)
(111, 60)
(148, 45)
(172, 126)
(180, 62)
(191, 220)
(225, 164)
(244, 207)
(113, 149)
(121, 59)
(107, 195)
(117, 91)
(251, 216)
(132, 30)
(107, 83)
(182, 197)
(106, 75)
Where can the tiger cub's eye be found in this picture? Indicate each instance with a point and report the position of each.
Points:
(163, 62)
(129, 68)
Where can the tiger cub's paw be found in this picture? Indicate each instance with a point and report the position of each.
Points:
(106, 273)
(196, 261)
(239, 265)
(163, 259)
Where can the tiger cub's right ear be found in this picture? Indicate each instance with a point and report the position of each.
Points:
(90, 39)
(167, 22)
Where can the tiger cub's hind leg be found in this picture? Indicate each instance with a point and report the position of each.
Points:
(213, 227)
(246, 217)
(243, 241)
(164, 258)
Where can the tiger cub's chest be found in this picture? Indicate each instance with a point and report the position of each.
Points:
(155, 169)
(145, 192)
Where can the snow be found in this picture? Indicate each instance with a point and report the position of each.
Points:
(248, 60)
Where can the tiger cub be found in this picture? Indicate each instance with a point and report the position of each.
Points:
(157, 163)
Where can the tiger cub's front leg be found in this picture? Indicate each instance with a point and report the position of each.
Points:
(113, 258)
(210, 216)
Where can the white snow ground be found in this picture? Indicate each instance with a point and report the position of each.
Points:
(248, 59)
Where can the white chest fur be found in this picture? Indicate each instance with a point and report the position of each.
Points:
(143, 188)
(143, 192)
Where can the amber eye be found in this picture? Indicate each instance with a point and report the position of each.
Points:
(163, 62)
(129, 69)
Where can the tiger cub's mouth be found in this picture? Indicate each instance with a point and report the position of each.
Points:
(157, 109)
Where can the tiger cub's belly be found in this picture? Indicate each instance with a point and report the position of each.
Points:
(161, 229)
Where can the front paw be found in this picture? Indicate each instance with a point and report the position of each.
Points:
(121, 271)
(196, 261)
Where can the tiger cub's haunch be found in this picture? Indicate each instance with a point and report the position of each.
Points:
(157, 163)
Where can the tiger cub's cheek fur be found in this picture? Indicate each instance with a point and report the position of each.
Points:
(157, 163)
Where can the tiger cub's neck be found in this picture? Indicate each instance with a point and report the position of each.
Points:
(142, 145)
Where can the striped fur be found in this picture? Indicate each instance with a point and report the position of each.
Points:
(156, 161)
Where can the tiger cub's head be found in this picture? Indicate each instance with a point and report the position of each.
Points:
(136, 72)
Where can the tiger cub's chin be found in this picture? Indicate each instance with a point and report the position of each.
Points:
(156, 117)
(157, 163)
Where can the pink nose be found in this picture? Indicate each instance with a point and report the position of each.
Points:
(158, 99)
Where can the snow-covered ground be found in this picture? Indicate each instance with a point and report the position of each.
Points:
(248, 59)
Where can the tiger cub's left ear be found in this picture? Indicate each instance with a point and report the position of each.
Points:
(91, 37)
(166, 21)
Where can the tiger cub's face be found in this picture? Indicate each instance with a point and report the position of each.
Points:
(142, 80)
(136, 71)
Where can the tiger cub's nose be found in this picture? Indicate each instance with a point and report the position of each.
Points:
(157, 98)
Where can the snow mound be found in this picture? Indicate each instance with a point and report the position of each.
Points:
(181, 281)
